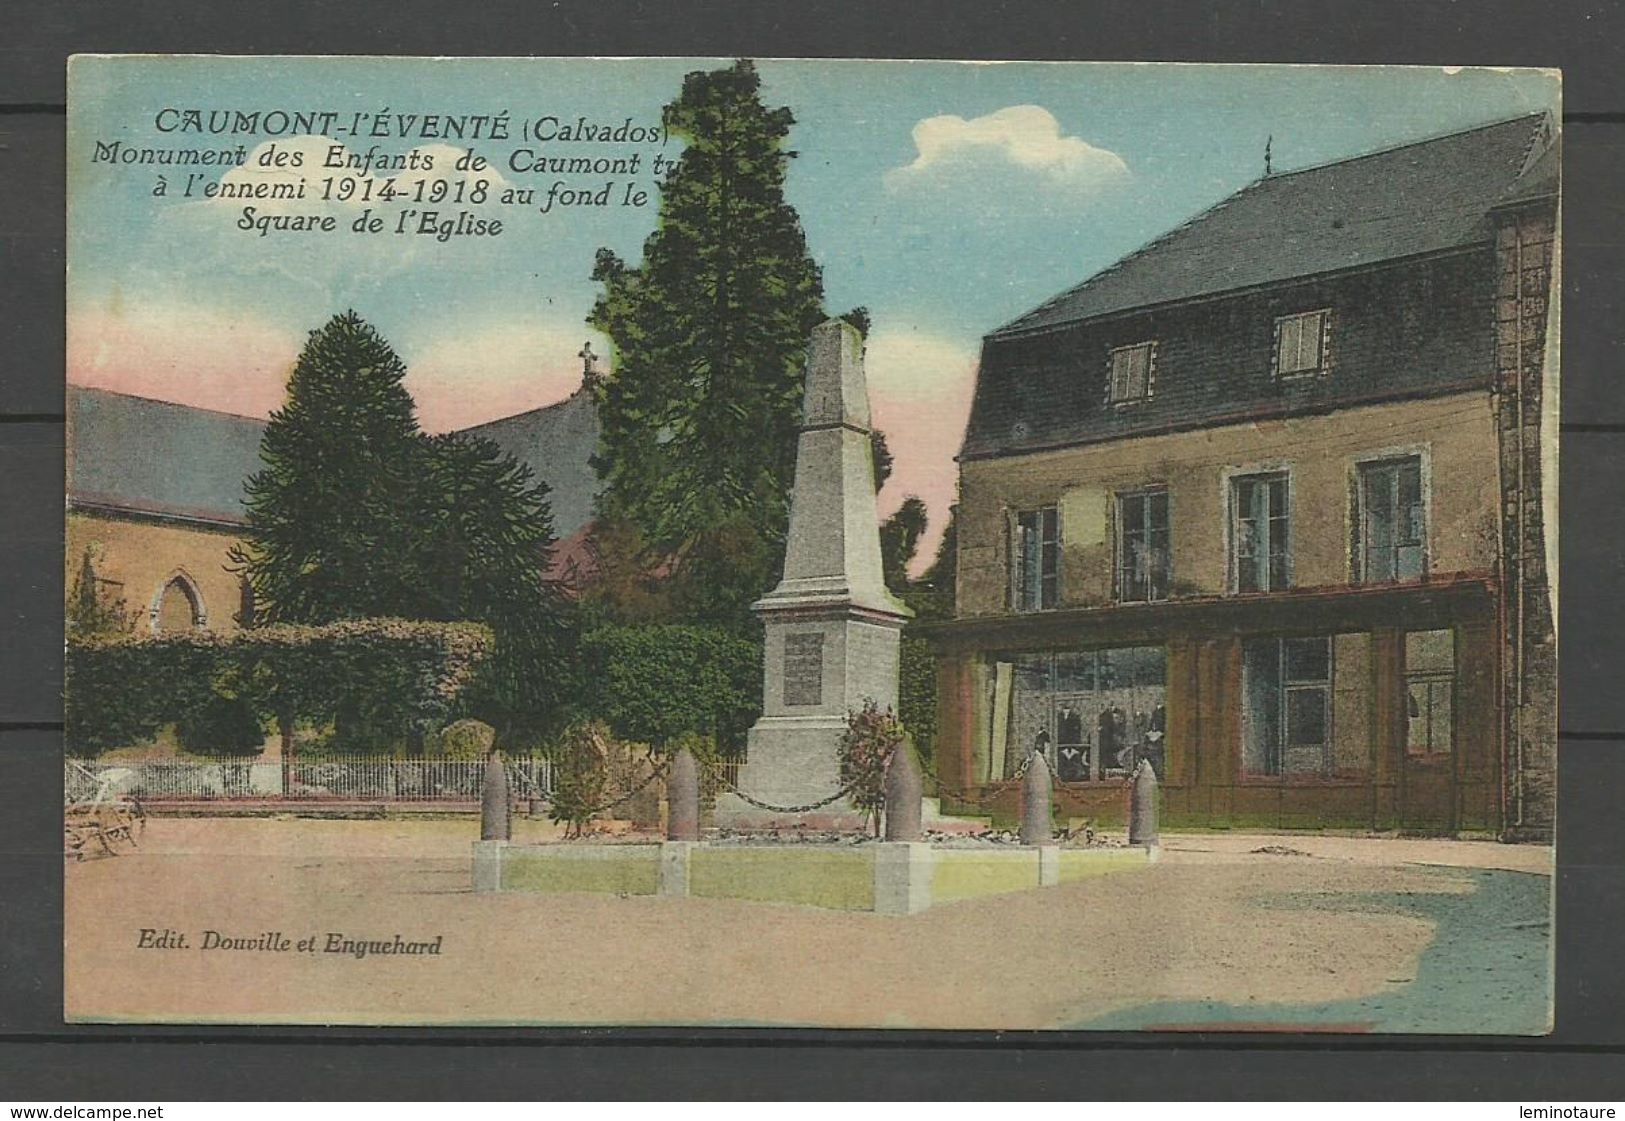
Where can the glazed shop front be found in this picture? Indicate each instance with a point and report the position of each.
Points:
(1354, 709)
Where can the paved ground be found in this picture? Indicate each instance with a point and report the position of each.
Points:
(1347, 934)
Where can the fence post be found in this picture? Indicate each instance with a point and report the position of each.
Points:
(1037, 792)
(1142, 806)
(683, 798)
(496, 811)
(903, 792)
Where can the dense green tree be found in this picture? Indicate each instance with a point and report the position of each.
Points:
(938, 580)
(932, 598)
(488, 535)
(359, 514)
(709, 332)
(899, 539)
(330, 517)
(880, 452)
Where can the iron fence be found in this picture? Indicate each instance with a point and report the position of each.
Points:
(346, 780)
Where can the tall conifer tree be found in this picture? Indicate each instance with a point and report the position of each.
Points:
(332, 533)
(710, 334)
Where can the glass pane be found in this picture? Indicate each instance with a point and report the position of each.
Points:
(1261, 718)
(1109, 672)
(1248, 545)
(1408, 562)
(1377, 525)
(1246, 498)
(1306, 716)
(1409, 477)
(1379, 506)
(1417, 711)
(1157, 510)
(1308, 659)
(1112, 739)
(1153, 667)
(1157, 586)
(1440, 730)
(1028, 572)
(1032, 672)
(1072, 743)
(1074, 673)
(1277, 576)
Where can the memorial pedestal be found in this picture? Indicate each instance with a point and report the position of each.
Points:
(832, 629)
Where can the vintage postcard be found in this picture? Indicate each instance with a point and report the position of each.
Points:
(776, 542)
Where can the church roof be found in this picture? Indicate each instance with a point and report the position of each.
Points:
(1424, 197)
(135, 455)
(558, 442)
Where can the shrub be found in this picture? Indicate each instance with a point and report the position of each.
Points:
(917, 694)
(465, 739)
(221, 726)
(871, 735)
(392, 679)
(580, 775)
(654, 684)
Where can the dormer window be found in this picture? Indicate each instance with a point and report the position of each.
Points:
(1300, 344)
(1132, 369)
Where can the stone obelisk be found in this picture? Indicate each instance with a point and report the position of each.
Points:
(832, 627)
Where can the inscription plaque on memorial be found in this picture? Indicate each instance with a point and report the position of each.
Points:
(803, 669)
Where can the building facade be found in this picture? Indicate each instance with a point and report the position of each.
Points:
(1263, 504)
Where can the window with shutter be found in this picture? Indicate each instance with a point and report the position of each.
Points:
(1130, 377)
(1300, 344)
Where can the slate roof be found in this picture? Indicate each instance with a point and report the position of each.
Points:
(1208, 293)
(557, 442)
(1418, 198)
(135, 455)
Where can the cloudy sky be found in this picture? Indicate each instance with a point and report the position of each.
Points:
(946, 197)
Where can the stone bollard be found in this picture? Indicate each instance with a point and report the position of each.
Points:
(496, 811)
(904, 791)
(683, 798)
(1037, 813)
(1142, 806)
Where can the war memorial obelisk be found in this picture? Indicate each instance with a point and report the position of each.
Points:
(832, 627)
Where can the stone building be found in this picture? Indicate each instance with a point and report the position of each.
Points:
(1263, 503)
(155, 497)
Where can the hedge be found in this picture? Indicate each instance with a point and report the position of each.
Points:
(654, 684)
(380, 680)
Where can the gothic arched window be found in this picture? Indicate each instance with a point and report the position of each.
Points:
(178, 605)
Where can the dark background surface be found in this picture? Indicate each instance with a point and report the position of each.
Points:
(42, 1059)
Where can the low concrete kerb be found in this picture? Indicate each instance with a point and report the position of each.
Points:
(904, 877)
(488, 865)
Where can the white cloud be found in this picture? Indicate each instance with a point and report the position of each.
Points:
(913, 365)
(1026, 137)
